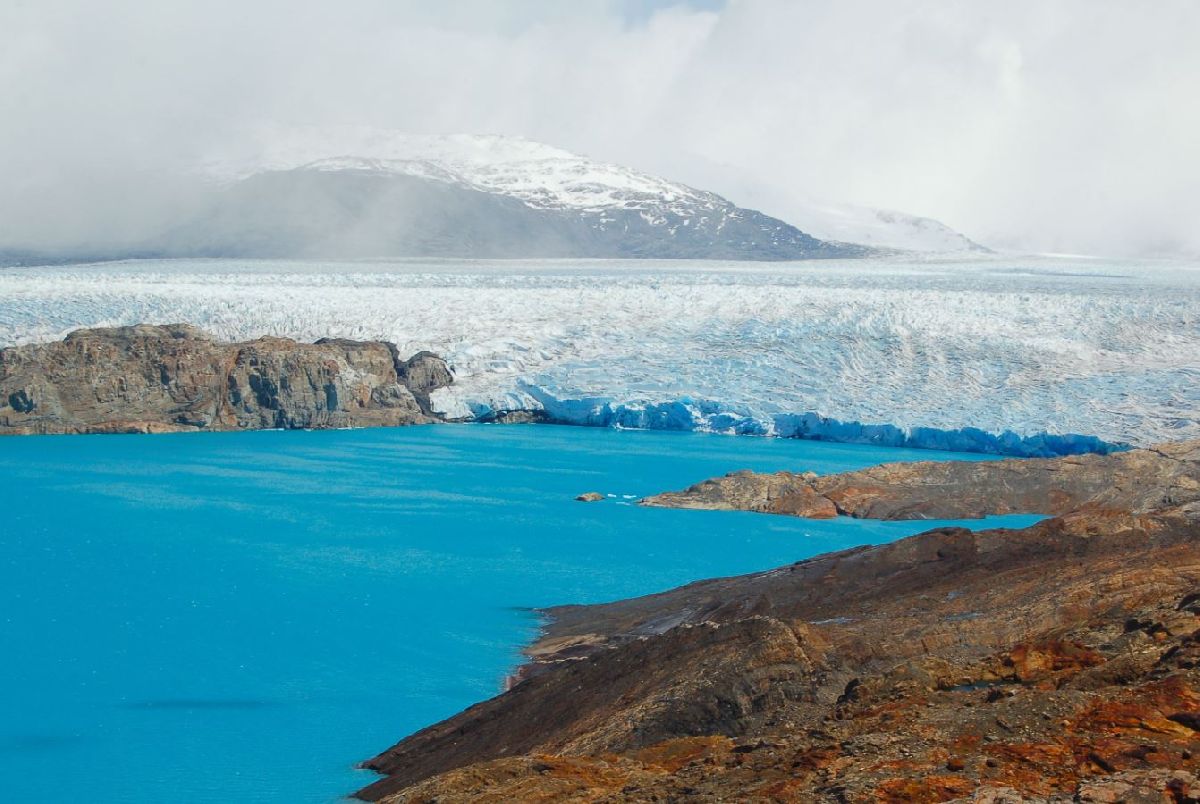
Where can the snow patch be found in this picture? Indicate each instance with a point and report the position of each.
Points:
(542, 176)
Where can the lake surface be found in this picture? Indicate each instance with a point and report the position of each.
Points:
(232, 617)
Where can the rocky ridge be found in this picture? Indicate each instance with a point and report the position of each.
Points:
(150, 378)
(1136, 480)
(1059, 662)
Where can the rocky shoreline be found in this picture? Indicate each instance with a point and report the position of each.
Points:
(1137, 480)
(1059, 662)
(177, 378)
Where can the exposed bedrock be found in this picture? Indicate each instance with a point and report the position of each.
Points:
(175, 377)
(1059, 662)
(1138, 480)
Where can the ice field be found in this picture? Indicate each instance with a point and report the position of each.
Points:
(941, 353)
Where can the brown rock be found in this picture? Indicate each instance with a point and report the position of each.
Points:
(1059, 662)
(1152, 787)
(1137, 480)
(176, 377)
(751, 667)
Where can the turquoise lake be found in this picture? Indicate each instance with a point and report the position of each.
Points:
(232, 617)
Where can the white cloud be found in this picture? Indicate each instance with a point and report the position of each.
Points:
(1067, 125)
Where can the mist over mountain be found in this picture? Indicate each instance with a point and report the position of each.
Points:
(352, 212)
(361, 192)
(1028, 126)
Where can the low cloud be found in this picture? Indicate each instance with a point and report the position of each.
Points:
(1064, 126)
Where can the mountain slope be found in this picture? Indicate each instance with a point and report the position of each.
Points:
(363, 211)
(1057, 662)
(878, 228)
(824, 219)
(371, 192)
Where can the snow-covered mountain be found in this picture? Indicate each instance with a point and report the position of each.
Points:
(542, 176)
(821, 218)
(876, 228)
(353, 192)
(548, 178)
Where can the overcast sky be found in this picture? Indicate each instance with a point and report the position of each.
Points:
(1056, 125)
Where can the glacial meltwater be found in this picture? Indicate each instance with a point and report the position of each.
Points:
(234, 617)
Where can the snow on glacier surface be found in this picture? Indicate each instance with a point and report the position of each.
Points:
(1031, 345)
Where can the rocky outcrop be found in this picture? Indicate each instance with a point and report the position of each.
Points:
(176, 378)
(1060, 662)
(1137, 480)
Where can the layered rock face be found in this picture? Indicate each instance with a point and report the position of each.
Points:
(176, 378)
(1060, 662)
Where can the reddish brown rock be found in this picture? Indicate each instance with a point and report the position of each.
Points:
(1059, 662)
(1138, 480)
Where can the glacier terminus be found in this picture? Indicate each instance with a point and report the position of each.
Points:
(990, 354)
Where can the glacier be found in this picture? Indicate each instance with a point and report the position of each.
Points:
(998, 354)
